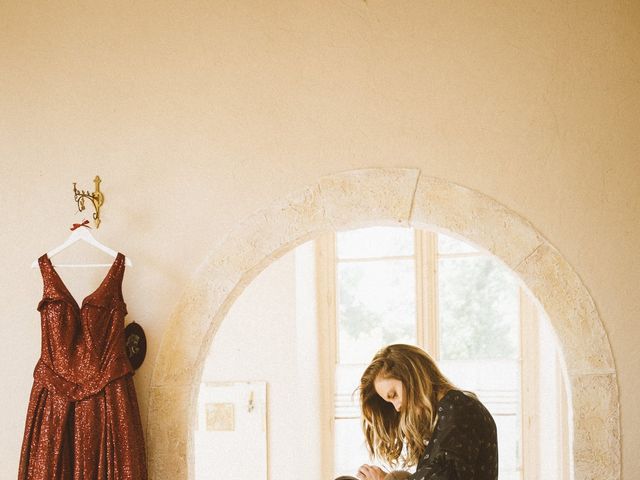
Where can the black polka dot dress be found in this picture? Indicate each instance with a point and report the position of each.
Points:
(464, 445)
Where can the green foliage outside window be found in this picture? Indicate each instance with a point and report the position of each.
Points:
(478, 309)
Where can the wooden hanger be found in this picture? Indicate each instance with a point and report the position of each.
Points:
(81, 232)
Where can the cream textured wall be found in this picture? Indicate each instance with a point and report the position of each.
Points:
(280, 353)
(196, 114)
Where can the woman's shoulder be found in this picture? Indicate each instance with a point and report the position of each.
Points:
(455, 396)
(461, 413)
(461, 403)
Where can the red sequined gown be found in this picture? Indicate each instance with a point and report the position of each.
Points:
(83, 421)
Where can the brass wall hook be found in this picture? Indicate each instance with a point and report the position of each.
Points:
(97, 198)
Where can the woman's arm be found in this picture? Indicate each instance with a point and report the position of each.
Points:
(370, 472)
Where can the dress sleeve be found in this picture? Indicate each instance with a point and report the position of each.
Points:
(455, 446)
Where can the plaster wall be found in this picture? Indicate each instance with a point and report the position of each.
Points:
(270, 334)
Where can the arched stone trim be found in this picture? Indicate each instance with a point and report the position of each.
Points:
(394, 197)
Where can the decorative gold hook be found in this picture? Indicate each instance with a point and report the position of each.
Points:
(97, 198)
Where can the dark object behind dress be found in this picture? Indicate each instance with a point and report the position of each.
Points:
(136, 344)
(464, 445)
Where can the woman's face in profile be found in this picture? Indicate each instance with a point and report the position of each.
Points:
(390, 389)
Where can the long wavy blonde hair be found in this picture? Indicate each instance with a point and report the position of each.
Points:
(387, 431)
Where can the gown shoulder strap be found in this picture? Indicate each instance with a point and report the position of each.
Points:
(116, 274)
(50, 290)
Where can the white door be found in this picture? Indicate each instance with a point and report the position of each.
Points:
(231, 431)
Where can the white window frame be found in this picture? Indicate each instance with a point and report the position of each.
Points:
(426, 269)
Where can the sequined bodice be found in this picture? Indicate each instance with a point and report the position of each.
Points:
(82, 345)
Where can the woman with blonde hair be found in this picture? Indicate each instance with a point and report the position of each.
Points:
(413, 415)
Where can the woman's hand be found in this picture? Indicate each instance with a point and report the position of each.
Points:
(370, 472)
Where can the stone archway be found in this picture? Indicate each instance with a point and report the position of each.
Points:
(393, 197)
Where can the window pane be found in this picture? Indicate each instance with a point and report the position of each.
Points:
(349, 447)
(479, 317)
(497, 384)
(375, 242)
(376, 307)
(509, 445)
(347, 381)
(478, 309)
(502, 377)
(447, 244)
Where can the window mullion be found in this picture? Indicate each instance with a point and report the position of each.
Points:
(430, 292)
(327, 338)
(421, 323)
(529, 388)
